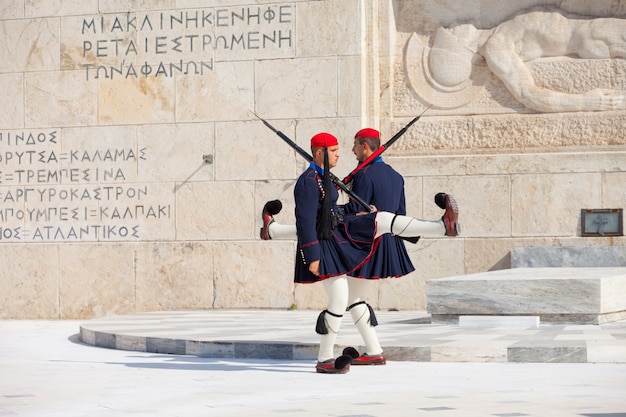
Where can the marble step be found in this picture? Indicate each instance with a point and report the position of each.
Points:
(555, 295)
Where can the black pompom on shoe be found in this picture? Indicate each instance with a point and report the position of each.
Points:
(270, 209)
(352, 352)
(440, 200)
(341, 365)
(273, 207)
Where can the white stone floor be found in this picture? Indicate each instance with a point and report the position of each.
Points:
(404, 335)
(46, 371)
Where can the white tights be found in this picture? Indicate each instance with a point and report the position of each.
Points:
(344, 291)
(404, 226)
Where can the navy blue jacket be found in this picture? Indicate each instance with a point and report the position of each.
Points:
(382, 186)
(350, 245)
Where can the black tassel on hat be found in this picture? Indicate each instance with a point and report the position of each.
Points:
(324, 223)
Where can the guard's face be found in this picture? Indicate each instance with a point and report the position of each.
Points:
(359, 150)
(333, 155)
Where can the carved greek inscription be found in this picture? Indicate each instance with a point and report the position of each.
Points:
(50, 194)
(166, 44)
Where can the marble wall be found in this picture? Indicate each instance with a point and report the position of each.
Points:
(133, 170)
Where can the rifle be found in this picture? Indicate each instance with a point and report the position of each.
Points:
(309, 158)
(381, 149)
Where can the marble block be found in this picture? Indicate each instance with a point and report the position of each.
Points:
(499, 321)
(555, 295)
(587, 256)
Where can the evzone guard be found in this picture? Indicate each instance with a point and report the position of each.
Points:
(332, 244)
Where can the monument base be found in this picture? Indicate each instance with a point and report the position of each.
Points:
(555, 295)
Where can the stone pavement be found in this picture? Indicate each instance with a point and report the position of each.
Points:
(405, 336)
(45, 370)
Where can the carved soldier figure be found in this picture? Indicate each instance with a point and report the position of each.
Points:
(507, 48)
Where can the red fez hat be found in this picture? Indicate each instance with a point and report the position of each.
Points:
(367, 133)
(323, 139)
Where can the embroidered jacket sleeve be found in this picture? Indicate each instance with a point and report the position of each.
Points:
(380, 185)
(307, 199)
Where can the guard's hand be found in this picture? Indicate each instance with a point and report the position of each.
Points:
(314, 268)
(374, 210)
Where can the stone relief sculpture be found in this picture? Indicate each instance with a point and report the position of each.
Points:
(456, 68)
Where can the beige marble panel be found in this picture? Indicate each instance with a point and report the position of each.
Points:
(174, 152)
(405, 293)
(588, 161)
(262, 135)
(371, 296)
(59, 98)
(136, 101)
(284, 87)
(350, 100)
(242, 156)
(29, 45)
(103, 154)
(172, 36)
(99, 281)
(88, 42)
(60, 213)
(113, 6)
(614, 189)
(317, 24)
(252, 275)
(510, 164)
(484, 203)
(13, 212)
(487, 254)
(39, 8)
(414, 196)
(309, 296)
(216, 210)
(174, 276)
(202, 3)
(226, 93)
(12, 9)
(255, 31)
(426, 165)
(549, 205)
(546, 162)
(29, 282)
(12, 107)
(149, 211)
